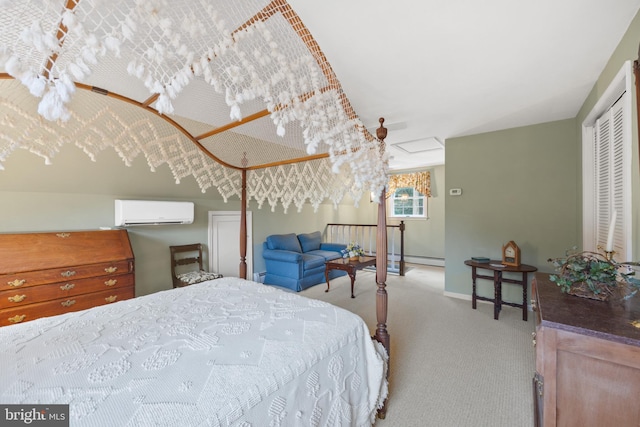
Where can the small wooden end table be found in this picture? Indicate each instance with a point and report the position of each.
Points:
(345, 264)
(497, 284)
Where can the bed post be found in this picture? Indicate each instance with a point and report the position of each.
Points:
(636, 71)
(381, 257)
(243, 224)
(381, 334)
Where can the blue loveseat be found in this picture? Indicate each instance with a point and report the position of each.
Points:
(297, 262)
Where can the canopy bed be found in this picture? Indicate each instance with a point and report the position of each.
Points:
(237, 95)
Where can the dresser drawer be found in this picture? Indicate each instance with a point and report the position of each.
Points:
(25, 313)
(34, 294)
(55, 275)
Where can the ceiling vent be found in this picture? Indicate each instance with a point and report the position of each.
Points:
(419, 145)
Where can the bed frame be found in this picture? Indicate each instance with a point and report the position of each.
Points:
(280, 9)
(381, 334)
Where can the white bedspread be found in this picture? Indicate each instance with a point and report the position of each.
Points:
(223, 352)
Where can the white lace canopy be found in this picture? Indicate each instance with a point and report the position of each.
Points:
(210, 88)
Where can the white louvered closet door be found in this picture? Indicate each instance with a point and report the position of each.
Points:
(611, 186)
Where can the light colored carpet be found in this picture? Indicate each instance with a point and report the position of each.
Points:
(450, 365)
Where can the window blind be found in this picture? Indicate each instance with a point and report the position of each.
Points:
(609, 164)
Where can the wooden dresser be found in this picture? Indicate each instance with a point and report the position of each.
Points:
(587, 359)
(44, 274)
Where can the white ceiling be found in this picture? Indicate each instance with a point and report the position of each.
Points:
(438, 69)
(434, 69)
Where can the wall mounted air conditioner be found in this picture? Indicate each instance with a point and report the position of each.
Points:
(149, 212)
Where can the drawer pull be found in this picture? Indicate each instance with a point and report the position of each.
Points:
(63, 235)
(17, 298)
(533, 335)
(534, 306)
(68, 303)
(67, 287)
(68, 273)
(111, 298)
(111, 282)
(111, 269)
(16, 283)
(17, 318)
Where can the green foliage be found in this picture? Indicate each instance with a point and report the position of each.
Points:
(593, 271)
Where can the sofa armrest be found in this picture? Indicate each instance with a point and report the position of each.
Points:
(282, 255)
(337, 247)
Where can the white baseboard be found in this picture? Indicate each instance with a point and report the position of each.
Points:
(434, 262)
(421, 260)
(259, 277)
(459, 296)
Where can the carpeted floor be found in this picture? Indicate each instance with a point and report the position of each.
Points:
(451, 366)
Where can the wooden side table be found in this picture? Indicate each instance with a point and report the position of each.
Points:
(498, 279)
(345, 264)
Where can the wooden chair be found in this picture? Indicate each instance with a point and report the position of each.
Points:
(187, 270)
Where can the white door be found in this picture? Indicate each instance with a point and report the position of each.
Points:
(224, 243)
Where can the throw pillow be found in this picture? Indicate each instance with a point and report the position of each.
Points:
(310, 241)
(287, 242)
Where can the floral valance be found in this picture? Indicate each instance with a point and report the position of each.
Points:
(421, 181)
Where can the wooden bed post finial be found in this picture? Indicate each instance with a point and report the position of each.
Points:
(381, 132)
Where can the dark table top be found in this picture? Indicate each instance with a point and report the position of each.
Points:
(611, 320)
(362, 261)
(522, 268)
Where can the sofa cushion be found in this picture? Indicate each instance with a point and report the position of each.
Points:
(310, 262)
(326, 255)
(286, 242)
(310, 241)
(335, 247)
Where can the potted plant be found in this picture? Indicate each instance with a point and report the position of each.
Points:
(353, 251)
(592, 275)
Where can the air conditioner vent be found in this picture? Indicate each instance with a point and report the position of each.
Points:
(151, 212)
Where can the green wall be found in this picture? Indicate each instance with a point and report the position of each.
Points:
(517, 184)
(74, 193)
(424, 238)
(521, 184)
(525, 184)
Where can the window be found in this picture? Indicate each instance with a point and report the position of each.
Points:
(408, 202)
(409, 195)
